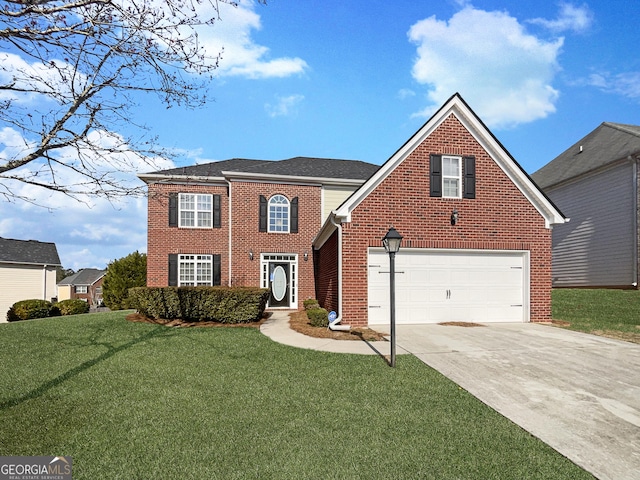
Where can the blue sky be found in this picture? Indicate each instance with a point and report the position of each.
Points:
(355, 80)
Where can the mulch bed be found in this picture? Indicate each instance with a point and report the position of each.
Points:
(136, 317)
(299, 322)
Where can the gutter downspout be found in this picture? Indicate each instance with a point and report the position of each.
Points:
(44, 282)
(335, 325)
(229, 253)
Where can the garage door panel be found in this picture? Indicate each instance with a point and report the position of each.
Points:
(437, 286)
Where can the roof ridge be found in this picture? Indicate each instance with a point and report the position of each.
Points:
(623, 128)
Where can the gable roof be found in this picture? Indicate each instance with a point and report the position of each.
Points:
(458, 107)
(608, 143)
(86, 276)
(320, 170)
(29, 252)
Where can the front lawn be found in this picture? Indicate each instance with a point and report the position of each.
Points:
(611, 313)
(130, 400)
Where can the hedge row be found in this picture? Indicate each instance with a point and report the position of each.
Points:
(199, 304)
(30, 309)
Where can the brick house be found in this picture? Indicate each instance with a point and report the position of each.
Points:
(86, 284)
(245, 222)
(476, 228)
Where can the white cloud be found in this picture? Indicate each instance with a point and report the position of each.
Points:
(406, 93)
(626, 84)
(504, 72)
(285, 106)
(571, 18)
(89, 233)
(241, 56)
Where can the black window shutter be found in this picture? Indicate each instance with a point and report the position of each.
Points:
(216, 211)
(173, 270)
(469, 177)
(216, 269)
(294, 216)
(173, 209)
(263, 214)
(435, 170)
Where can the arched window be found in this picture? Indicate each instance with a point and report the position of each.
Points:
(278, 214)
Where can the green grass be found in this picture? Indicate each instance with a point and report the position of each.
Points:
(137, 401)
(613, 313)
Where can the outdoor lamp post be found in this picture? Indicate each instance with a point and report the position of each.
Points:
(391, 242)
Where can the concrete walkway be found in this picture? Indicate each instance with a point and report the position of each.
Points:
(277, 328)
(578, 393)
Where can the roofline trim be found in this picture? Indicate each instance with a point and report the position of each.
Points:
(458, 107)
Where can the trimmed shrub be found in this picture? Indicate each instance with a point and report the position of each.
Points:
(29, 309)
(72, 307)
(318, 317)
(310, 303)
(200, 304)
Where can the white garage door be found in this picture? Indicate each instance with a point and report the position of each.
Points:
(435, 286)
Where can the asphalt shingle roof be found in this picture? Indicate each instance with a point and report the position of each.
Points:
(86, 276)
(606, 144)
(297, 167)
(28, 251)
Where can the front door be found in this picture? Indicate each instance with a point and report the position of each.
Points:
(279, 275)
(279, 284)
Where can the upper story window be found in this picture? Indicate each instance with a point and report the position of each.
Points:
(278, 214)
(81, 289)
(451, 176)
(196, 210)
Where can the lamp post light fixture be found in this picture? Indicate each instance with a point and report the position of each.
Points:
(391, 242)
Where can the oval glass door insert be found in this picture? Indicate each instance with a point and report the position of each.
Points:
(279, 283)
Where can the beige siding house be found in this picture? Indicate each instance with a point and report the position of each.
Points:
(27, 271)
(595, 183)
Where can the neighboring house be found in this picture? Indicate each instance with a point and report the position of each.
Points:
(477, 233)
(27, 271)
(309, 227)
(595, 183)
(85, 284)
(245, 222)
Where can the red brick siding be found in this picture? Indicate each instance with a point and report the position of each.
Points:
(246, 235)
(500, 217)
(164, 240)
(326, 265)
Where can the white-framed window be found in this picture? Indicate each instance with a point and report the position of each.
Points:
(195, 210)
(278, 214)
(451, 176)
(194, 270)
(81, 289)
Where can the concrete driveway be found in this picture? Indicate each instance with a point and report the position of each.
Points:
(578, 393)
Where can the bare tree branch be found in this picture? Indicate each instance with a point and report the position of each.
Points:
(69, 73)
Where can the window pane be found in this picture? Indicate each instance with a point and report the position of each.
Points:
(278, 214)
(450, 187)
(204, 219)
(204, 202)
(187, 219)
(450, 166)
(186, 202)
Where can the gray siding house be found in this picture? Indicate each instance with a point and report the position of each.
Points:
(595, 184)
